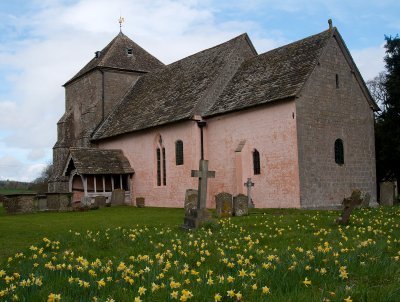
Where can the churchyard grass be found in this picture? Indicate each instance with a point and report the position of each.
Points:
(131, 254)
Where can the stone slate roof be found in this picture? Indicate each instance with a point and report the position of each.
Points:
(174, 92)
(115, 56)
(99, 161)
(177, 91)
(275, 75)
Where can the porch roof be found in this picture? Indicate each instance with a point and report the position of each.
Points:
(98, 161)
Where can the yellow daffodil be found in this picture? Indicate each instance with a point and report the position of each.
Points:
(307, 282)
(265, 290)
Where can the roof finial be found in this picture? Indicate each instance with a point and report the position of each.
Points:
(120, 21)
(330, 24)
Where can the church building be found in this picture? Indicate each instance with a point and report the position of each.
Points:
(297, 120)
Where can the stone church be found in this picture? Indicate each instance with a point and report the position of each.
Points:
(298, 120)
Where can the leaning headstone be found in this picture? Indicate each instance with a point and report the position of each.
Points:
(223, 202)
(387, 194)
(240, 205)
(140, 202)
(349, 204)
(100, 200)
(118, 197)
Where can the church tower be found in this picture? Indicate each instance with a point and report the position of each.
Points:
(92, 93)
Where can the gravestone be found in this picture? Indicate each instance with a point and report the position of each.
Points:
(366, 200)
(42, 202)
(94, 205)
(249, 184)
(86, 201)
(240, 205)
(100, 200)
(201, 215)
(140, 202)
(190, 202)
(118, 197)
(349, 204)
(223, 202)
(387, 194)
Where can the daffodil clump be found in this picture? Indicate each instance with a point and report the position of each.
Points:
(273, 256)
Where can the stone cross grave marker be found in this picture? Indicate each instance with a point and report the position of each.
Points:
(223, 202)
(201, 214)
(248, 185)
(349, 204)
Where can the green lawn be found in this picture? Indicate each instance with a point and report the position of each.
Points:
(14, 191)
(132, 254)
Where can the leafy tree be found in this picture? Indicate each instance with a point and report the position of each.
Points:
(386, 90)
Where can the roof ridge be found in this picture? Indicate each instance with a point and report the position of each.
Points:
(210, 48)
(295, 42)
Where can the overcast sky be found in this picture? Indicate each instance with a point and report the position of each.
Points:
(44, 43)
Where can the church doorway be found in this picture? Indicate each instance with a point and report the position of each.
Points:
(77, 190)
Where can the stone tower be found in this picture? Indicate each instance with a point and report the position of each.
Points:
(91, 94)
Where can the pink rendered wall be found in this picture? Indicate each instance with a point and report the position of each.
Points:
(272, 131)
(140, 149)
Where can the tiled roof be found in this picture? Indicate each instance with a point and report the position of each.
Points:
(179, 90)
(218, 80)
(100, 161)
(114, 55)
(274, 75)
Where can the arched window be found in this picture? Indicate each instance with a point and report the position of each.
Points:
(256, 162)
(179, 152)
(339, 152)
(161, 163)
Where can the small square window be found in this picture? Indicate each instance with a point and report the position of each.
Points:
(129, 52)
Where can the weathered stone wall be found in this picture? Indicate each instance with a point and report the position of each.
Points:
(31, 203)
(84, 111)
(116, 83)
(326, 113)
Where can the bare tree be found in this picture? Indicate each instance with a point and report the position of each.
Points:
(377, 89)
(40, 183)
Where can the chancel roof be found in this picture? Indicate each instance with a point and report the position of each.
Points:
(98, 161)
(274, 75)
(115, 55)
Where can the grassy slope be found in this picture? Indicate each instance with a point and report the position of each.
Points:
(373, 274)
(18, 232)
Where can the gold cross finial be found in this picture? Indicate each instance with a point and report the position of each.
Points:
(120, 21)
